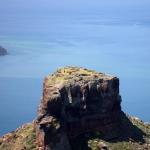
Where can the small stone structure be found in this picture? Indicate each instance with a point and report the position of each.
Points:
(75, 101)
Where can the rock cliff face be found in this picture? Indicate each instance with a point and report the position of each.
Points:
(76, 101)
(3, 51)
(80, 110)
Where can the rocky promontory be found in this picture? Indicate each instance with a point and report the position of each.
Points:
(76, 101)
(3, 51)
(80, 109)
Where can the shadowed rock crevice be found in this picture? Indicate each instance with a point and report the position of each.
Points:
(131, 131)
(126, 132)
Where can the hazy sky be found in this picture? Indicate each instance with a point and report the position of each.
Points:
(71, 6)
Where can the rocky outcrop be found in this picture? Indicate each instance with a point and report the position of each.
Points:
(76, 101)
(80, 110)
(3, 51)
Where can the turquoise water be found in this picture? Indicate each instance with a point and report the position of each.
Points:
(117, 44)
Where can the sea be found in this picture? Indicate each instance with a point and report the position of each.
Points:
(114, 40)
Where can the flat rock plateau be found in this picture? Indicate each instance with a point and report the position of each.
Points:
(80, 109)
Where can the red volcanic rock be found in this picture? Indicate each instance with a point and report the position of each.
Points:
(76, 101)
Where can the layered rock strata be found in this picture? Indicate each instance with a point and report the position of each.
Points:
(76, 101)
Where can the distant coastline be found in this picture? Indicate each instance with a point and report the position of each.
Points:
(3, 51)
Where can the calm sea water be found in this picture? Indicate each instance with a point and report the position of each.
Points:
(39, 44)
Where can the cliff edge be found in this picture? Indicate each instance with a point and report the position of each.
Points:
(76, 101)
(80, 109)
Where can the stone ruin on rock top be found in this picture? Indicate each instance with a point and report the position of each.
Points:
(76, 101)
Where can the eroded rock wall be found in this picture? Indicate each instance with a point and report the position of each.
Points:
(76, 101)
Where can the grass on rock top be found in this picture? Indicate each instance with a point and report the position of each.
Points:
(67, 74)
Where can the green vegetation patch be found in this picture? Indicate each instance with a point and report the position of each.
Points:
(21, 139)
(67, 74)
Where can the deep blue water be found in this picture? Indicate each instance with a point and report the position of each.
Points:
(110, 42)
(19, 101)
